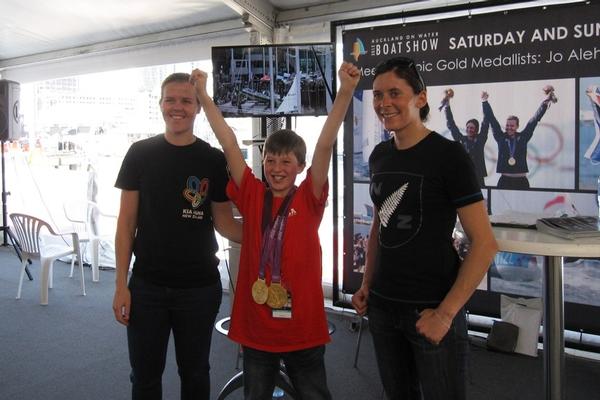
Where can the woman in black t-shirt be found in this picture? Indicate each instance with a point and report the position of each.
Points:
(414, 286)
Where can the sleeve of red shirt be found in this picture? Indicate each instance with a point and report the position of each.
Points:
(316, 204)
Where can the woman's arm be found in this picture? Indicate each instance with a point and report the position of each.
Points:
(434, 324)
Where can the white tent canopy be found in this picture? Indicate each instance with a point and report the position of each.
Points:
(44, 40)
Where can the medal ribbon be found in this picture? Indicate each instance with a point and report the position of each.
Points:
(512, 146)
(470, 144)
(272, 238)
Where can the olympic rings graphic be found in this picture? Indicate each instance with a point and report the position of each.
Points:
(196, 191)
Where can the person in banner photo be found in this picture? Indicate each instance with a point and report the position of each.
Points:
(512, 144)
(172, 199)
(473, 141)
(414, 287)
(593, 151)
(278, 311)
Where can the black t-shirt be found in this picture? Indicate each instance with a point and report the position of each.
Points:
(417, 192)
(175, 242)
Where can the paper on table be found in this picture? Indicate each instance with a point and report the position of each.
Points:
(516, 219)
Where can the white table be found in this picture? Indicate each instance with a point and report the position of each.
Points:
(530, 241)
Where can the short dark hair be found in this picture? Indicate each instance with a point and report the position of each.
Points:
(514, 118)
(179, 77)
(474, 122)
(405, 68)
(286, 141)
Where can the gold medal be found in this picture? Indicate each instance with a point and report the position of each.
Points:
(277, 295)
(260, 291)
(512, 161)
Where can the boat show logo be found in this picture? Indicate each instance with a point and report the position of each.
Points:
(358, 49)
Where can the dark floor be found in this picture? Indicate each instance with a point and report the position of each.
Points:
(73, 349)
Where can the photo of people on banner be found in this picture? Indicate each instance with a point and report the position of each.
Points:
(520, 93)
(516, 133)
(589, 132)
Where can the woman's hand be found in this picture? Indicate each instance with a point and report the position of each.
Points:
(433, 325)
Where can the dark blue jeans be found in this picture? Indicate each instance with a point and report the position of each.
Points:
(411, 367)
(305, 368)
(155, 312)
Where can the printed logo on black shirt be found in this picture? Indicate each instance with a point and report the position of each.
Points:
(196, 191)
(398, 199)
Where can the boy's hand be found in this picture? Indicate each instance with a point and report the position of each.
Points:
(349, 75)
(198, 78)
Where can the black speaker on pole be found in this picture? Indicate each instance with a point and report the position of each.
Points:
(10, 125)
(10, 129)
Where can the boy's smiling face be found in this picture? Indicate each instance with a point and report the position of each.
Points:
(281, 171)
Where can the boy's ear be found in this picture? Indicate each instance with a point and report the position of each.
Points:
(301, 167)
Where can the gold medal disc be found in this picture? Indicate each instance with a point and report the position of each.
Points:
(277, 296)
(512, 161)
(260, 291)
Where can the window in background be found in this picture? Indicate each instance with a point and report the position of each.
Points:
(76, 132)
(310, 128)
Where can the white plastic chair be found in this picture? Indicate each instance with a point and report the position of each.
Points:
(84, 216)
(27, 229)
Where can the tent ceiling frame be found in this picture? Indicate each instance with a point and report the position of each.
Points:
(256, 17)
(233, 26)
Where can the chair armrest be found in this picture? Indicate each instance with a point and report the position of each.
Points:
(103, 214)
(74, 220)
(74, 235)
(100, 212)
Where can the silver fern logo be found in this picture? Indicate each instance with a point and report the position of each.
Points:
(389, 205)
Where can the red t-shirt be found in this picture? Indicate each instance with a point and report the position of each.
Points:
(252, 324)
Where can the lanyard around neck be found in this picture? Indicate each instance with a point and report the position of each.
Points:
(272, 234)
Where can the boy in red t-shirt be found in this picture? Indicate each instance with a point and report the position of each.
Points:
(278, 312)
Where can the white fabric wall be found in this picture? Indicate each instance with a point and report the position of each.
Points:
(140, 56)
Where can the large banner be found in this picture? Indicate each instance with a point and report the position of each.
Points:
(519, 60)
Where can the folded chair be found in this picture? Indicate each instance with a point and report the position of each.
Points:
(28, 229)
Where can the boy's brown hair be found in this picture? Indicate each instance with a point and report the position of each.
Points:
(286, 141)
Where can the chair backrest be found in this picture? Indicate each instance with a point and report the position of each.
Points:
(84, 217)
(27, 229)
(75, 212)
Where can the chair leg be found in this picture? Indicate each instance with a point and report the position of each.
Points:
(234, 383)
(358, 340)
(238, 356)
(51, 275)
(95, 243)
(22, 275)
(72, 266)
(283, 382)
(80, 259)
(46, 266)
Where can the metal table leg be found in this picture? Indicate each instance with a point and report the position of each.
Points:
(554, 343)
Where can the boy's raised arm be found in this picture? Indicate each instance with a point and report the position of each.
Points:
(223, 132)
(349, 76)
